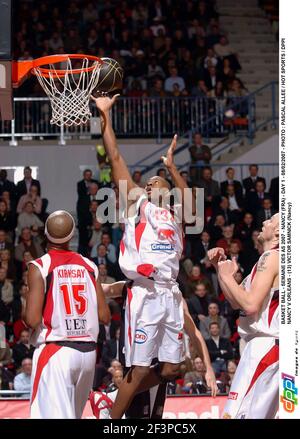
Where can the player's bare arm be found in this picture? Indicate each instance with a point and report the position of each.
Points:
(103, 309)
(198, 341)
(216, 255)
(114, 290)
(35, 298)
(265, 278)
(179, 182)
(119, 168)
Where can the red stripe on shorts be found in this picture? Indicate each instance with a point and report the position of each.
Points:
(129, 297)
(270, 358)
(48, 351)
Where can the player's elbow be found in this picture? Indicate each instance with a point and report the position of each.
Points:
(32, 320)
(251, 309)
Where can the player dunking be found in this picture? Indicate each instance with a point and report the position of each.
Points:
(149, 255)
(254, 390)
(64, 305)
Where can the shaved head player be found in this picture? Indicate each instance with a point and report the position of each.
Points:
(149, 255)
(64, 305)
(255, 387)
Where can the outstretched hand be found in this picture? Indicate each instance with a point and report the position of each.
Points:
(168, 159)
(104, 103)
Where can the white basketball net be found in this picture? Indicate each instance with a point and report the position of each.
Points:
(70, 94)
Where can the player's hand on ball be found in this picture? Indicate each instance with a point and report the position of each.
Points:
(168, 159)
(227, 268)
(104, 103)
(211, 382)
(216, 255)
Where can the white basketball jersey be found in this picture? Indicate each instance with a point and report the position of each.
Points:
(266, 322)
(155, 239)
(70, 309)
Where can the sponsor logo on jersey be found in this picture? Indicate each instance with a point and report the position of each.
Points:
(140, 336)
(180, 336)
(288, 397)
(233, 395)
(166, 234)
(162, 247)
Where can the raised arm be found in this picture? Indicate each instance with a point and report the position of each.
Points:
(216, 255)
(119, 168)
(178, 181)
(266, 273)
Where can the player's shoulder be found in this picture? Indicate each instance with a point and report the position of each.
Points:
(269, 259)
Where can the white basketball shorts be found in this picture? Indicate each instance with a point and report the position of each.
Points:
(254, 393)
(153, 325)
(62, 378)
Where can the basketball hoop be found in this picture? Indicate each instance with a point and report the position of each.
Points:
(68, 81)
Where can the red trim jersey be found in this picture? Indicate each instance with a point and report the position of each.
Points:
(152, 246)
(70, 309)
(266, 322)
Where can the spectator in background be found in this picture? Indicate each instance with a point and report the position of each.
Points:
(223, 209)
(198, 303)
(28, 218)
(230, 180)
(158, 89)
(194, 277)
(236, 203)
(23, 186)
(194, 381)
(200, 90)
(103, 277)
(211, 60)
(226, 378)
(215, 227)
(7, 219)
(5, 242)
(213, 316)
(97, 231)
(110, 248)
(200, 156)
(219, 348)
(274, 193)
(33, 197)
(22, 381)
(84, 184)
(6, 375)
(6, 288)
(10, 202)
(7, 263)
(254, 199)
(137, 178)
(265, 212)
(174, 79)
(245, 228)
(227, 239)
(211, 187)
(250, 182)
(27, 243)
(224, 50)
(23, 349)
(6, 185)
(116, 380)
(235, 253)
(111, 349)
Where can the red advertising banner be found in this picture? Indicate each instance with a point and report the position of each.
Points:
(178, 407)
